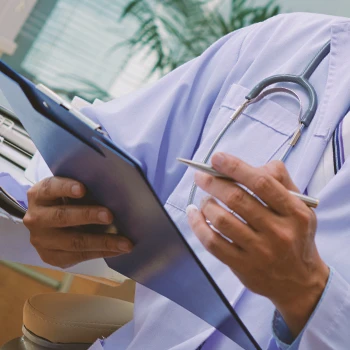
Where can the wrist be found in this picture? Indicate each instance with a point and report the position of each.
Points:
(297, 309)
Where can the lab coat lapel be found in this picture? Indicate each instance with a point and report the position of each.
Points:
(332, 109)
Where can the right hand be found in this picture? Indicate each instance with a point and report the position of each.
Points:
(55, 229)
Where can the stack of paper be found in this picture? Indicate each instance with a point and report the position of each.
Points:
(11, 205)
(15, 144)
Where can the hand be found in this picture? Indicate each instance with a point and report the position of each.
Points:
(274, 252)
(55, 230)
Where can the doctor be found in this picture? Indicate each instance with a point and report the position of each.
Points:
(287, 273)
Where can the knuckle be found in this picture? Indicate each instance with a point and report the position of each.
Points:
(260, 217)
(60, 216)
(273, 226)
(207, 205)
(78, 243)
(235, 196)
(108, 244)
(46, 186)
(88, 215)
(262, 183)
(286, 238)
(233, 166)
(251, 242)
(277, 170)
(221, 221)
(32, 193)
(64, 187)
(30, 220)
(266, 254)
(207, 181)
(279, 167)
(305, 217)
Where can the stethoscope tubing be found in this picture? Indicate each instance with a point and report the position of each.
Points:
(305, 120)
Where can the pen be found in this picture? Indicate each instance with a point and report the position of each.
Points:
(309, 201)
(48, 92)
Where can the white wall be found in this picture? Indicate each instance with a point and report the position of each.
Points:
(330, 7)
(13, 13)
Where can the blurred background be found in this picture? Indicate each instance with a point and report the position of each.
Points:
(107, 48)
(104, 49)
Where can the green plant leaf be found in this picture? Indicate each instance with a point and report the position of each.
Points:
(175, 31)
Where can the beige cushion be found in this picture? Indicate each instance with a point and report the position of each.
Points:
(73, 318)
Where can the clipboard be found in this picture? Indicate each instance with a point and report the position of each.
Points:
(161, 259)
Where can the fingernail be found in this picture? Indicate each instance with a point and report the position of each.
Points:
(191, 209)
(76, 190)
(103, 217)
(218, 160)
(124, 247)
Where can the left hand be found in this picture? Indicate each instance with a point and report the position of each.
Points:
(274, 253)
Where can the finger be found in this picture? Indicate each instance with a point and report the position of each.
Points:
(262, 184)
(212, 241)
(82, 242)
(279, 172)
(237, 199)
(67, 216)
(64, 259)
(54, 188)
(229, 225)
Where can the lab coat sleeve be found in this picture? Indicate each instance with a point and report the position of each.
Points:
(328, 326)
(167, 119)
(155, 125)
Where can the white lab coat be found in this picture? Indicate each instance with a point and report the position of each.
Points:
(183, 113)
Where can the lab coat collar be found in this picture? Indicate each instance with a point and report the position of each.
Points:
(332, 108)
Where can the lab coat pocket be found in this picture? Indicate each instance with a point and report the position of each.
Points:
(261, 131)
(259, 135)
(266, 111)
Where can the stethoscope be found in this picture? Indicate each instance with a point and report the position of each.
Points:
(261, 90)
